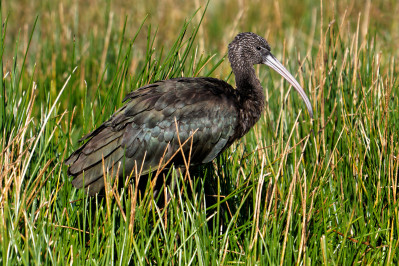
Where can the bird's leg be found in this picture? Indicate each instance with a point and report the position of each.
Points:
(168, 193)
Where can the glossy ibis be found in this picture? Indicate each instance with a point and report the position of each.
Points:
(145, 127)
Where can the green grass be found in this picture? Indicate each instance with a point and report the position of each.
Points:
(292, 191)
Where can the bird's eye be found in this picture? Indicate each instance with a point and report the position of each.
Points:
(258, 48)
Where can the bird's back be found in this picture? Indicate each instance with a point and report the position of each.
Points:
(152, 125)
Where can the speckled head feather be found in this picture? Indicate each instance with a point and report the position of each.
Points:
(247, 48)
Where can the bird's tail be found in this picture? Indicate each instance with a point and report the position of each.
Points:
(91, 161)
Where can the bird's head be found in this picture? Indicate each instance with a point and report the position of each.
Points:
(249, 49)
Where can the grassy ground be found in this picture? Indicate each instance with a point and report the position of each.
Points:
(292, 191)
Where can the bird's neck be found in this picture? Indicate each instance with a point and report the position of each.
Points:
(251, 99)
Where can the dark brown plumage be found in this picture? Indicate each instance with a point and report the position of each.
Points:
(145, 125)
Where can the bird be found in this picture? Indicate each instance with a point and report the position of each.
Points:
(205, 113)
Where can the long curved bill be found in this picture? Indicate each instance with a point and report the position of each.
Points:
(272, 62)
